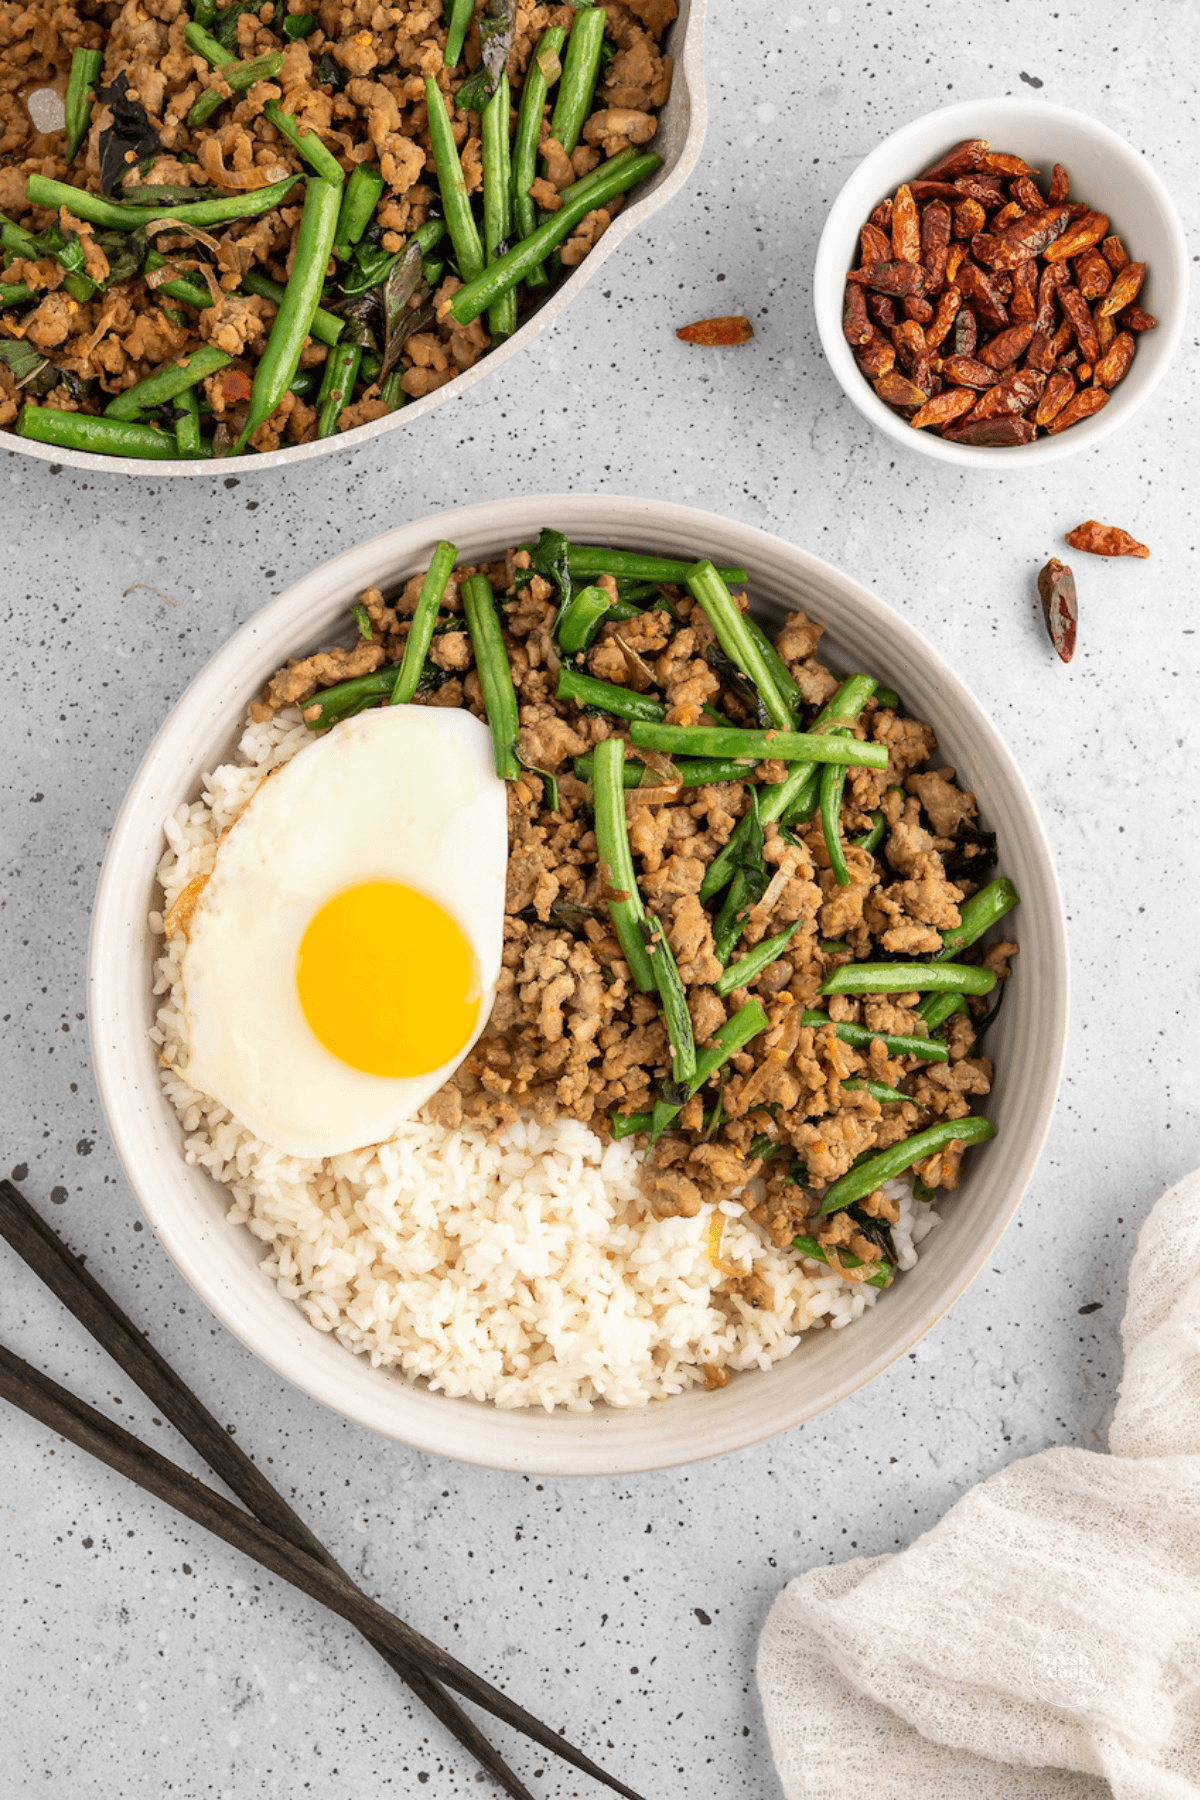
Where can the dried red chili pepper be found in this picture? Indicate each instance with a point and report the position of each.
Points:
(1082, 324)
(882, 311)
(1125, 289)
(935, 241)
(1015, 393)
(1106, 330)
(1093, 277)
(881, 218)
(934, 190)
(969, 218)
(1060, 185)
(856, 327)
(1085, 403)
(877, 358)
(1000, 162)
(917, 308)
(943, 408)
(1057, 392)
(894, 278)
(967, 371)
(958, 161)
(732, 328)
(1025, 190)
(1029, 236)
(1132, 318)
(1023, 304)
(1007, 215)
(1081, 235)
(1104, 540)
(966, 332)
(875, 245)
(982, 188)
(1040, 354)
(1114, 253)
(993, 433)
(1006, 346)
(1056, 586)
(899, 391)
(949, 301)
(906, 226)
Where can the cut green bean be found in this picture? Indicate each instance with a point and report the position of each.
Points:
(462, 12)
(40, 191)
(420, 631)
(903, 978)
(580, 69)
(759, 746)
(15, 293)
(581, 620)
(623, 1125)
(83, 431)
(887, 699)
(460, 220)
(617, 872)
(481, 288)
(896, 1043)
(978, 914)
(587, 690)
(326, 327)
(236, 73)
(832, 786)
(525, 141)
(293, 322)
(784, 680)
(391, 394)
(699, 771)
(858, 1182)
(597, 559)
(886, 1096)
(182, 287)
(166, 383)
(871, 840)
(498, 201)
(808, 1246)
(348, 697)
(315, 152)
(741, 974)
(188, 442)
(732, 1036)
(737, 642)
(81, 93)
(937, 1008)
(495, 676)
(676, 1017)
(360, 197)
(341, 366)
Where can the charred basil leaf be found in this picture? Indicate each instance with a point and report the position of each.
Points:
(364, 317)
(496, 28)
(550, 562)
(130, 131)
(399, 319)
(330, 72)
(226, 28)
(974, 852)
(124, 250)
(876, 1231)
(31, 370)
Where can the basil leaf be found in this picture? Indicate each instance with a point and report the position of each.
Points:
(496, 29)
(130, 131)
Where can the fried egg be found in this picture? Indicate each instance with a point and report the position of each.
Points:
(343, 955)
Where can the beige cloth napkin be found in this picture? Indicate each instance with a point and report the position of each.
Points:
(1043, 1641)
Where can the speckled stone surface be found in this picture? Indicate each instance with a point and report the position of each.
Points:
(141, 1658)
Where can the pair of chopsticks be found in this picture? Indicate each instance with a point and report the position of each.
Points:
(269, 1531)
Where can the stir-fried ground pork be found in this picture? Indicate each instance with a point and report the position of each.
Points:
(571, 1033)
(357, 80)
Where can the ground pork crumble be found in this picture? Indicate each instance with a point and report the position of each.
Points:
(570, 1032)
(358, 80)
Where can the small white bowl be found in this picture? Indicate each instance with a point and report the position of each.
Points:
(185, 1207)
(1105, 171)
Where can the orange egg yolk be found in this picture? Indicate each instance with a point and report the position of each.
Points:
(387, 980)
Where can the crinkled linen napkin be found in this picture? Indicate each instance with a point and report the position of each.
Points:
(1043, 1641)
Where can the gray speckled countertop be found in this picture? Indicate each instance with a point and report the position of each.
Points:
(140, 1657)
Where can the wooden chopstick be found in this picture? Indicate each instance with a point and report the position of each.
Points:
(275, 1536)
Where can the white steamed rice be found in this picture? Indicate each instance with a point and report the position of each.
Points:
(524, 1270)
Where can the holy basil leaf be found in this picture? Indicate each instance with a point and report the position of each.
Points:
(163, 194)
(226, 28)
(550, 561)
(363, 316)
(369, 265)
(29, 367)
(974, 853)
(330, 72)
(400, 319)
(130, 138)
(496, 28)
(124, 250)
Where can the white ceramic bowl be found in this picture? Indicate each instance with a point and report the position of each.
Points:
(186, 1209)
(1105, 171)
(681, 126)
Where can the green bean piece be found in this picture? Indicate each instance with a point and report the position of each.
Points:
(737, 642)
(784, 680)
(188, 442)
(585, 613)
(495, 676)
(676, 1017)
(699, 771)
(623, 1125)
(620, 882)
(81, 93)
(886, 1096)
(587, 690)
(498, 201)
(741, 974)
(184, 287)
(759, 746)
(936, 1009)
(304, 383)
(833, 782)
(432, 270)
(83, 431)
(978, 914)
(858, 1182)
(316, 153)
(871, 840)
(20, 242)
(462, 12)
(580, 69)
(236, 73)
(732, 1036)
(420, 632)
(326, 327)
(204, 12)
(631, 565)
(887, 699)
(298, 25)
(15, 293)
(293, 321)
(348, 697)
(460, 220)
(342, 369)
(921, 1192)
(360, 197)
(896, 1043)
(479, 290)
(901, 978)
(833, 946)
(808, 1246)
(391, 393)
(529, 122)
(40, 191)
(166, 383)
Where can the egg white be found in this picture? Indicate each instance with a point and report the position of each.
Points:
(402, 793)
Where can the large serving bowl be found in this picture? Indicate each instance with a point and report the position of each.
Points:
(186, 1208)
(1105, 171)
(678, 140)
